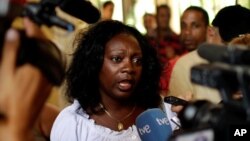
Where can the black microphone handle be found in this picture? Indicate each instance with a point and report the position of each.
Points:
(54, 20)
(81, 9)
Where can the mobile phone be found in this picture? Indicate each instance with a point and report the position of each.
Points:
(175, 101)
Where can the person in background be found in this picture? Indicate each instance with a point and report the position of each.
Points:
(165, 36)
(166, 42)
(163, 16)
(194, 24)
(149, 22)
(230, 22)
(107, 10)
(108, 96)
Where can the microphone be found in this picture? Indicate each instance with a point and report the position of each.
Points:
(228, 79)
(43, 15)
(153, 124)
(44, 12)
(231, 54)
(81, 9)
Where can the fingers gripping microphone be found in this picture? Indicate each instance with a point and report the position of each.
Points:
(153, 125)
(231, 54)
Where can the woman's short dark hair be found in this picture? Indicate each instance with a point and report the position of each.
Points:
(83, 73)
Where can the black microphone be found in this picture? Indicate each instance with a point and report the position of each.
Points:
(232, 54)
(81, 9)
(44, 12)
(41, 14)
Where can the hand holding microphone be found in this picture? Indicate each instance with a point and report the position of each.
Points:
(178, 102)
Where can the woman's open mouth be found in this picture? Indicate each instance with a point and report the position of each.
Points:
(125, 85)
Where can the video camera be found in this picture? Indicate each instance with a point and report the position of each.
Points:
(228, 72)
(43, 53)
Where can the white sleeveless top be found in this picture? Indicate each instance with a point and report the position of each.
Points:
(73, 124)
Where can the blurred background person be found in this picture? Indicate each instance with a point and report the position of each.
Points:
(149, 22)
(165, 36)
(163, 17)
(107, 10)
(194, 24)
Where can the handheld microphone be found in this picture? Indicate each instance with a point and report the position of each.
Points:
(153, 125)
(44, 12)
(231, 54)
(41, 15)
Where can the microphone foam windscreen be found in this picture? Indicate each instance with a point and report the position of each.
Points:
(232, 54)
(153, 125)
(81, 9)
(211, 52)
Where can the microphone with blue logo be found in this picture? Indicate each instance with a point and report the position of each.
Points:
(153, 125)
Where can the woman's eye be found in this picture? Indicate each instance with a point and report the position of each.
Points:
(137, 60)
(116, 59)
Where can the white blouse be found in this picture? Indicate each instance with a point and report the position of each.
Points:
(73, 124)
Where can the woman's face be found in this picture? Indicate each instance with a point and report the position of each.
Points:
(122, 67)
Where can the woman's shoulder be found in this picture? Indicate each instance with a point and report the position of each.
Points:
(71, 112)
(67, 122)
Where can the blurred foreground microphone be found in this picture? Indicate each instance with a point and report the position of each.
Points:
(44, 12)
(81, 9)
(231, 54)
(216, 75)
(153, 125)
